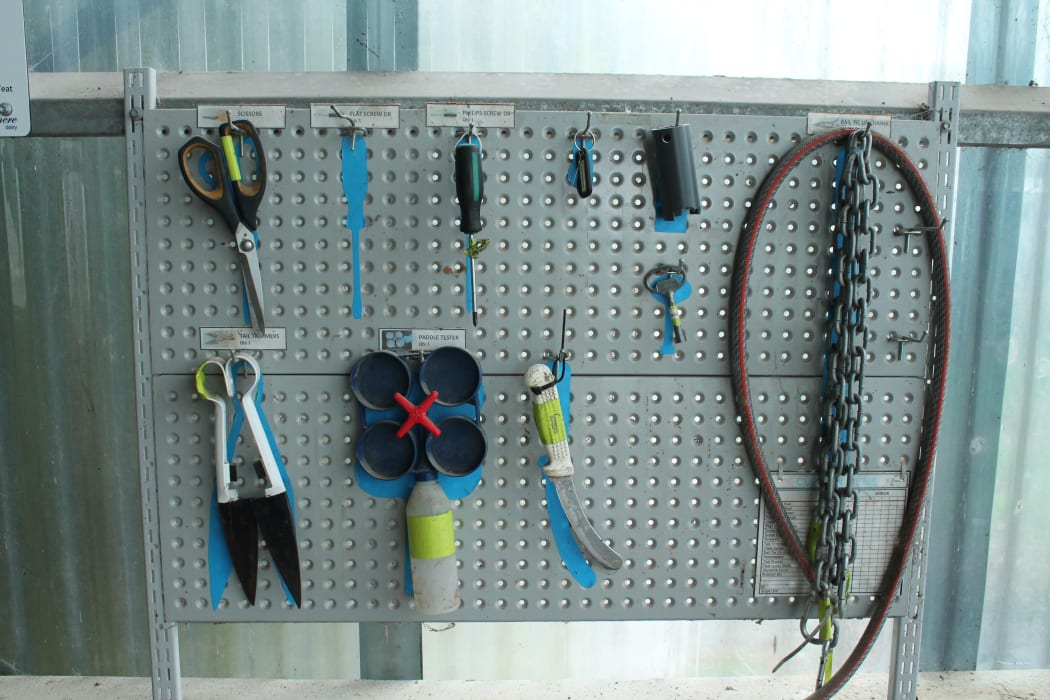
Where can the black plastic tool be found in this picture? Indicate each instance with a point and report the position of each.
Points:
(675, 171)
(470, 189)
(469, 186)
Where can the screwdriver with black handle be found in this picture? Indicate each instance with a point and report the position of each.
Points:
(470, 190)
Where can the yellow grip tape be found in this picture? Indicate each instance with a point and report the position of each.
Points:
(550, 422)
(232, 164)
(431, 536)
(201, 379)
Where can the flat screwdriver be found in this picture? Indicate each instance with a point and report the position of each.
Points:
(470, 190)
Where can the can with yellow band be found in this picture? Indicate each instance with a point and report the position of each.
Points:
(432, 547)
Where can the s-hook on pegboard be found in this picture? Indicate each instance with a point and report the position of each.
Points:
(660, 466)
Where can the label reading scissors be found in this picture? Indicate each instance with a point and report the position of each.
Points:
(214, 174)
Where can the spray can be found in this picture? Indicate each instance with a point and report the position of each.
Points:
(432, 547)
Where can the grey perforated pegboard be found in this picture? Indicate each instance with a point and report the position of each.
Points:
(550, 250)
(659, 470)
(660, 467)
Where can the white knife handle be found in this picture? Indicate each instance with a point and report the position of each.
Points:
(546, 412)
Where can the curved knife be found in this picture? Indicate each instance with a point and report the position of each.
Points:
(546, 411)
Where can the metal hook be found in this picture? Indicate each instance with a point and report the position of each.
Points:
(468, 135)
(581, 136)
(910, 231)
(354, 128)
(234, 129)
(900, 340)
(558, 370)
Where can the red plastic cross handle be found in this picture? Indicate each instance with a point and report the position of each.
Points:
(417, 414)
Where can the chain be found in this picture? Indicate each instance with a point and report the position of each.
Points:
(832, 540)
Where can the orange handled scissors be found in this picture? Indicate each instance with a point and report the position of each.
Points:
(217, 175)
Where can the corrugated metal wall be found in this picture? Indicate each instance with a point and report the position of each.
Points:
(72, 578)
(893, 40)
(71, 574)
(1017, 599)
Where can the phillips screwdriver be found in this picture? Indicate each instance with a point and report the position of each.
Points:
(470, 190)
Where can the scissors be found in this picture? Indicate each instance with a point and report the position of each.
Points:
(247, 516)
(214, 174)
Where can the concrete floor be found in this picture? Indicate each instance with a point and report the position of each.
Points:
(983, 685)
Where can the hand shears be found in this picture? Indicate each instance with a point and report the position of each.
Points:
(214, 174)
(261, 510)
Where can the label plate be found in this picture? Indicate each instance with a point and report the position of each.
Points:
(261, 116)
(421, 339)
(880, 509)
(364, 116)
(463, 115)
(829, 121)
(14, 75)
(242, 339)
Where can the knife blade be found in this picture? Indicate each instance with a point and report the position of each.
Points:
(546, 411)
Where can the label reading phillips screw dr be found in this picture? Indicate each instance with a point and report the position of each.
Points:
(462, 115)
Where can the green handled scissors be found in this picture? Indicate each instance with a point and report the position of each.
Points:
(215, 175)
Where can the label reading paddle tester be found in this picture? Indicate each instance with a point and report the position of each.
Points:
(421, 339)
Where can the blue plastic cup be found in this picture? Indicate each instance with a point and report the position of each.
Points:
(460, 449)
(377, 376)
(453, 373)
(383, 454)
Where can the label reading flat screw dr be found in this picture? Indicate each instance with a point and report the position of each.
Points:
(364, 116)
(14, 75)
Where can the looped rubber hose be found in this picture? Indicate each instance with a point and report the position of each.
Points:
(936, 374)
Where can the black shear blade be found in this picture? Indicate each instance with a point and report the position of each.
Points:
(274, 517)
(242, 539)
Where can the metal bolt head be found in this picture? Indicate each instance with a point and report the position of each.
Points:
(247, 246)
(946, 126)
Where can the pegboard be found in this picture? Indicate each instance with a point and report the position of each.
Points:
(660, 468)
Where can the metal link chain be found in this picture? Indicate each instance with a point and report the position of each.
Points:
(846, 341)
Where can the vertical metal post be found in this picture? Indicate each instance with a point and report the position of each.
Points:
(140, 94)
(907, 630)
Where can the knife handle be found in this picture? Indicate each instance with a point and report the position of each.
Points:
(550, 422)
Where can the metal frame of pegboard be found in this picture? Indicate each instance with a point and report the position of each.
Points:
(637, 441)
